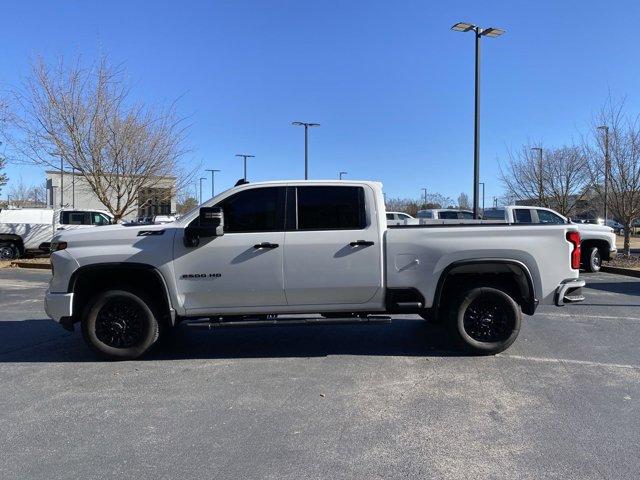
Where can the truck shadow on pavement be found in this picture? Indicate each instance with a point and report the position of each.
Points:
(402, 337)
(625, 288)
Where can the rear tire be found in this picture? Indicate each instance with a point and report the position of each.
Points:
(485, 320)
(9, 251)
(120, 325)
(593, 260)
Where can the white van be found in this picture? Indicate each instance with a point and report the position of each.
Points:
(31, 229)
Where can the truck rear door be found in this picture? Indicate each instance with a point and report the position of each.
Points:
(332, 251)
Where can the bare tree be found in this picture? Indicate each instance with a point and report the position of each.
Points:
(406, 205)
(566, 179)
(83, 116)
(3, 176)
(557, 178)
(463, 201)
(4, 113)
(186, 201)
(438, 200)
(623, 198)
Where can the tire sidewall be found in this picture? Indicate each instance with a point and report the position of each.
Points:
(460, 308)
(593, 255)
(89, 326)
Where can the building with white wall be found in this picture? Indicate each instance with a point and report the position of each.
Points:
(72, 190)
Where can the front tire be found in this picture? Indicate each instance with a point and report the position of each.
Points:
(486, 320)
(120, 325)
(593, 260)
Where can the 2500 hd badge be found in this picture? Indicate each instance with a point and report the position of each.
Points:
(197, 276)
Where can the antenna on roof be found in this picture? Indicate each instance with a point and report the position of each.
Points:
(242, 181)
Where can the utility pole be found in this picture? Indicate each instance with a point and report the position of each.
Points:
(306, 144)
(424, 195)
(607, 167)
(342, 173)
(213, 171)
(245, 163)
(478, 33)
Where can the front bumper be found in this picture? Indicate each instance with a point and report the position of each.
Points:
(569, 291)
(58, 306)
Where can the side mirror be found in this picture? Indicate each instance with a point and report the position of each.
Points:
(210, 223)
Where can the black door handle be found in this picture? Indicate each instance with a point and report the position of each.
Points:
(266, 245)
(361, 243)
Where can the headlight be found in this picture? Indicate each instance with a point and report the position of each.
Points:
(55, 246)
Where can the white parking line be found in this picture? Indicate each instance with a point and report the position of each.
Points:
(579, 317)
(570, 361)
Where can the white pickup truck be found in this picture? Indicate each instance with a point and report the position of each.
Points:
(259, 252)
(598, 242)
(25, 230)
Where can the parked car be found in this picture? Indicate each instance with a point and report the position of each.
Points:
(306, 247)
(25, 230)
(160, 219)
(598, 241)
(445, 214)
(397, 218)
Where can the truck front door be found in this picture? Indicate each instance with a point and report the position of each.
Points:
(332, 248)
(243, 267)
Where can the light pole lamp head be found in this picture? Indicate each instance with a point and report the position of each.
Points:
(463, 27)
(305, 124)
(604, 127)
(491, 32)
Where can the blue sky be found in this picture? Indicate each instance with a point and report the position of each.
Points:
(391, 85)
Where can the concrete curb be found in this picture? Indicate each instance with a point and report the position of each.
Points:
(621, 271)
(39, 266)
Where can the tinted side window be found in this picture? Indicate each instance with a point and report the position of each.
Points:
(466, 215)
(75, 218)
(448, 215)
(548, 217)
(390, 216)
(522, 215)
(255, 210)
(493, 215)
(331, 208)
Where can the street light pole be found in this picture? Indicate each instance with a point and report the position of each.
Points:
(424, 195)
(201, 178)
(73, 186)
(61, 182)
(607, 167)
(213, 171)
(342, 173)
(479, 32)
(306, 126)
(540, 175)
(245, 163)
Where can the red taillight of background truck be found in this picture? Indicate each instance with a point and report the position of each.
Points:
(574, 238)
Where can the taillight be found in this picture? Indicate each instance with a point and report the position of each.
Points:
(574, 238)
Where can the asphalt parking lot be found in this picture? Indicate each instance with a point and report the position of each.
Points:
(381, 401)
